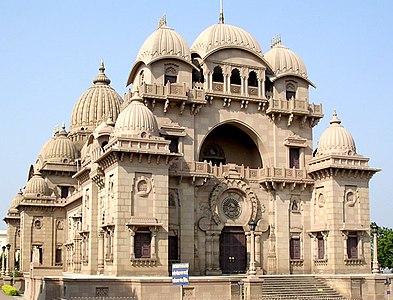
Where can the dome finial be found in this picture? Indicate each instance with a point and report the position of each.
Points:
(102, 66)
(221, 19)
(162, 22)
(275, 41)
(135, 96)
(335, 119)
(101, 78)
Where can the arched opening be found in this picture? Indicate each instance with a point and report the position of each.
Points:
(252, 79)
(268, 87)
(197, 76)
(290, 91)
(228, 143)
(218, 75)
(235, 77)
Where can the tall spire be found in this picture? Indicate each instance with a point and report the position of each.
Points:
(221, 13)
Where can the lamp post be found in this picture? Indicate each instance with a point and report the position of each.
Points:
(374, 228)
(252, 224)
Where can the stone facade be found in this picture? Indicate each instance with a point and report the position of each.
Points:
(209, 139)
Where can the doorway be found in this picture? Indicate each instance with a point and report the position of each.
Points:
(233, 251)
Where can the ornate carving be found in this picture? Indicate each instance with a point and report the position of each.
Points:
(143, 186)
(236, 184)
(231, 208)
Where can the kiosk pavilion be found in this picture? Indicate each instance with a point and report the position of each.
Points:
(207, 140)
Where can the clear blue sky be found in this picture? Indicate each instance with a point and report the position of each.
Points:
(50, 51)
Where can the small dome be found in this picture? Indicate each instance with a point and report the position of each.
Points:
(336, 140)
(136, 118)
(37, 186)
(17, 199)
(221, 36)
(105, 128)
(285, 62)
(60, 149)
(97, 104)
(164, 42)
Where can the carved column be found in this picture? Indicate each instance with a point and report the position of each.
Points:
(258, 255)
(3, 261)
(153, 231)
(77, 255)
(100, 267)
(7, 269)
(325, 235)
(345, 235)
(216, 252)
(132, 230)
(209, 251)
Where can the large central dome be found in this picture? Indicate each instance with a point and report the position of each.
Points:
(221, 36)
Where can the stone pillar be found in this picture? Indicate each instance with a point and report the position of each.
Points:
(258, 260)
(216, 252)
(3, 261)
(252, 288)
(7, 269)
(100, 266)
(209, 239)
(153, 231)
(77, 255)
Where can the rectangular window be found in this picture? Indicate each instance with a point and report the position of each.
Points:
(142, 244)
(64, 191)
(294, 155)
(58, 257)
(352, 247)
(290, 95)
(170, 78)
(321, 247)
(174, 145)
(173, 253)
(295, 248)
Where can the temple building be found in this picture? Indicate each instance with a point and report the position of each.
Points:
(208, 159)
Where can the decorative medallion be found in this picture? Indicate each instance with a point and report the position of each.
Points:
(321, 200)
(231, 207)
(143, 186)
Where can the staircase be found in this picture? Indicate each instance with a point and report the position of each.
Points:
(297, 287)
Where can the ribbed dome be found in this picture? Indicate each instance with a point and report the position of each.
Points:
(37, 186)
(336, 140)
(284, 61)
(60, 149)
(16, 200)
(220, 36)
(97, 104)
(164, 42)
(136, 118)
(105, 128)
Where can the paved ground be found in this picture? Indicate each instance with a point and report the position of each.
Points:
(6, 297)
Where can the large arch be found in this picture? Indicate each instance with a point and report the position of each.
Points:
(232, 142)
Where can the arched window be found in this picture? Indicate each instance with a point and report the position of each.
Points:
(235, 77)
(197, 76)
(141, 77)
(268, 87)
(217, 74)
(252, 79)
(290, 91)
(170, 74)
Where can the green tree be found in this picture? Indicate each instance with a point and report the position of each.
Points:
(385, 247)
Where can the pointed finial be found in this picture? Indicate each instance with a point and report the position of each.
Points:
(335, 119)
(221, 20)
(275, 41)
(135, 96)
(63, 126)
(102, 66)
(162, 22)
(101, 78)
(56, 130)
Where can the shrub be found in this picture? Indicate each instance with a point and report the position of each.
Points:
(10, 290)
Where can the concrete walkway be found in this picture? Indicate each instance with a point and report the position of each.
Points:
(6, 297)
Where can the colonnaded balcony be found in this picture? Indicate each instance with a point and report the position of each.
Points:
(267, 177)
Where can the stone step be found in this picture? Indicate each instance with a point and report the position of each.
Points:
(297, 287)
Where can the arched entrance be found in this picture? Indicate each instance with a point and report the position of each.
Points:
(233, 250)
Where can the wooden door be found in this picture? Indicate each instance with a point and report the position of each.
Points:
(233, 252)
